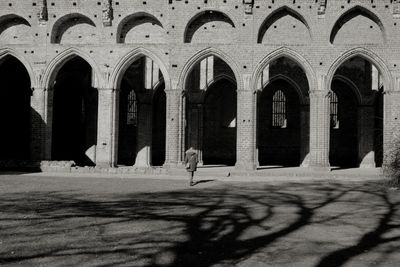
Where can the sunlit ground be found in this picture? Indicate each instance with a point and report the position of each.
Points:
(48, 221)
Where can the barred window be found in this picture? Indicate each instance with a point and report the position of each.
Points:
(334, 107)
(279, 119)
(132, 109)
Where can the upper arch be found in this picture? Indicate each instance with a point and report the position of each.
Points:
(302, 97)
(10, 20)
(56, 64)
(136, 19)
(351, 85)
(291, 54)
(76, 18)
(124, 63)
(10, 52)
(210, 51)
(196, 22)
(352, 13)
(276, 15)
(366, 54)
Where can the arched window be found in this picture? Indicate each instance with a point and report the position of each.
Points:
(334, 107)
(279, 118)
(131, 109)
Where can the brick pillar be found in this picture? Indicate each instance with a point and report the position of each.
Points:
(38, 124)
(106, 128)
(245, 144)
(144, 135)
(174, 128)
(319, 130)
(366, 124)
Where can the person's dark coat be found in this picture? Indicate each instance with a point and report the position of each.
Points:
(191, 158)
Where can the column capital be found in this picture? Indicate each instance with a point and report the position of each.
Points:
(319, 93)
(107, 89)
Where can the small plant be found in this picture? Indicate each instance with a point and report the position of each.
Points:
(391, 163)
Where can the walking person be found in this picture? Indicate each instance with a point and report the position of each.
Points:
(191, 160)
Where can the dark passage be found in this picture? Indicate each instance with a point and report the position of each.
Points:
(15, 97)
(74, 113)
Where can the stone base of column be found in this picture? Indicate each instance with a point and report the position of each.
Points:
(316, 162)
(104, 165)
(173, 165)
(245, 166)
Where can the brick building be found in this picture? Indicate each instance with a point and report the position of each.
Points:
(311, 83)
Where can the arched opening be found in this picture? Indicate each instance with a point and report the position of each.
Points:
(159, 127)
(282, 114)
(211, 111)
(219, 128)
(356, 111)
(142, 109)
(279, 125)
(74, 28)
(15, 109)
(140, 28)
(209, 26)
(15, 30)
(343, 126)
(75, 105)
(285, 20)
(369, 27)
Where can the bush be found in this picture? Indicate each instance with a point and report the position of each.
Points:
(391, 163)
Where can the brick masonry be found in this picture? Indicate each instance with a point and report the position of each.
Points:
(176, 34)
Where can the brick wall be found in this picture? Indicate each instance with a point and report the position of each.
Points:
(91, 30)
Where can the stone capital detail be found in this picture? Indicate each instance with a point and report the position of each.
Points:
(248, 6)
(43, 14)
(321, 7)
(319, 94)
(107, 13)
(396, 9)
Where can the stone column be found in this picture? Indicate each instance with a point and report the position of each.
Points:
(38, 124)
(319, 130)
(366, 124)
(106, 128)
(245, 144)
(144, 135)
(174, 128)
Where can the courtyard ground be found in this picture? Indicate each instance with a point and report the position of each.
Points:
(50, 220)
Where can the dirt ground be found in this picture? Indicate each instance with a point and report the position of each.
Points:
(55, 221)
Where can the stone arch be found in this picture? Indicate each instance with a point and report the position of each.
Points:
(351, 14)
(66, 22)
(370, 56)
(211, 51)
(4, 52)
(291, 54)
(220, 77)
(302, 97)
(124, 63)
(11, 20)
(278, 14)
(137, 19)
(197, 21)
(351, 85)
(56, 64)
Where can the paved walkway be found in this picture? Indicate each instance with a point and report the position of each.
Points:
(48, 220)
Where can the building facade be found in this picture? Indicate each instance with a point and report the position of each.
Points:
(249, 83)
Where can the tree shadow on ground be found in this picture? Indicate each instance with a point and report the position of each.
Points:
(226, 225)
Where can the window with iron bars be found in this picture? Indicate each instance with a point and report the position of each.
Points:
(132, 109)
(279, 116)
(334, 110)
